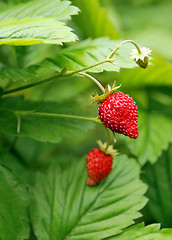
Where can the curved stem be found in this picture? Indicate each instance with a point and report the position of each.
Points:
(120, 44)
(69, 73)
(134, 43)
(94, 80)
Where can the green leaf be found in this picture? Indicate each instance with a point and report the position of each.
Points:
(13, 207)
(160, 99)
(90, 52)
(43, 121)
(37, 53)
(73, 210)
(33, 23)
(54, 91)
(16, 74)
(78, 56)
(60, 10)
(94, 20)
(75, 58)
(154, 136)
(26, 155)
(139, 232)
(36, 30)
(159, 179)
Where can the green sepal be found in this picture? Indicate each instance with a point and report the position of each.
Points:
(106, 148)
(108, 91)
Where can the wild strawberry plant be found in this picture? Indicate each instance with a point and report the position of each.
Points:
(55, 182)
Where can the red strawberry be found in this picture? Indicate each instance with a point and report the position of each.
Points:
(118, 112)
(99, 165)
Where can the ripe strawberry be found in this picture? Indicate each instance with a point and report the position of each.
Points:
(99, 165)
(118, 112)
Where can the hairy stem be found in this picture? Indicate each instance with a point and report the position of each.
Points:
(120, 44)
(54, 76)
(93, 119)
(94, 65)
(94, 80)
(71, 73)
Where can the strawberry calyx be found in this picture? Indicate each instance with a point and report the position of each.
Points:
(108, 91)
(106, 148)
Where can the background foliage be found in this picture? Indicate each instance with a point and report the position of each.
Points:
(44, 132)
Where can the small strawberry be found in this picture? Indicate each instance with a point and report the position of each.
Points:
(118, 112)
(99, 163)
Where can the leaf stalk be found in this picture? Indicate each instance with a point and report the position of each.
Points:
(93, 119)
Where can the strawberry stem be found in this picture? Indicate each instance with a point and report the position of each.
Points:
(71, 73)
(94, 80)
(94, 65)
(120, 44)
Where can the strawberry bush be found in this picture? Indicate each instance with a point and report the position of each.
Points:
(85, 120)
